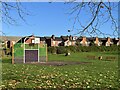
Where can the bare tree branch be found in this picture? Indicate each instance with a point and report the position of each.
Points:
(7, 9)
(100, 13)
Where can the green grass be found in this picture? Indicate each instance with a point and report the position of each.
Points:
(82, 56)
(97, 74)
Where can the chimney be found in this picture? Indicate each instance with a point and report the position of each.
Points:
(97, 40)
(84, 40)
(53, 36)
(108, 39)
(70, 37)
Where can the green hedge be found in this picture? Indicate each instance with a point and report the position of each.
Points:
(52, 50)
(61, 50)
(64, 49)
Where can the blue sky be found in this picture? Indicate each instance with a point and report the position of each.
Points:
(46, 19)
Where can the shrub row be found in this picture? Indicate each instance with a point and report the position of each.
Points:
(65, 49)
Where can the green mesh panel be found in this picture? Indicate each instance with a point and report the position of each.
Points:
(42, 50)
(18, 50)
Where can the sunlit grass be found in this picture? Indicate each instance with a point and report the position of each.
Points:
(97, 74)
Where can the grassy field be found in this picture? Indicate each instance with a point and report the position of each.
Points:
(97, 74)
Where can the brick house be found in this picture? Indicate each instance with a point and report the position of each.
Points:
(48, 40)
(97, 42)
(90, 41)
(109, 42)
(69, 40)
(116, 41)
(65, 40)
(9, 41)
(53, 41)
(106, 41)
(84, 41)
(42, 40)
(103, 40)
(56, 41)
(72, 39)
(28, 39)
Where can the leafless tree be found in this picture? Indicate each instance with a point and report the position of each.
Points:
(97, 14)
(8, 9)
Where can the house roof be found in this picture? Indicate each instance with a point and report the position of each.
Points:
(79, 39)
(90, 38)
(64, 37)
(42, 38)
(10, 38)
(115, 40)
(47, 37)
(21, 40)
(58, 39)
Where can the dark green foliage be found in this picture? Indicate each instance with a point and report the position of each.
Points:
(71, 49)
(64, 49)
(52, 50)
(61, 50)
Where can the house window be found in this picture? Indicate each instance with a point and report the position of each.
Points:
(107, 44)
(98, 43)
(69, 43)
(53, 42)
(33, 41)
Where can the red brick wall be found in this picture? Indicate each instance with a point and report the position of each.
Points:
(30, 40)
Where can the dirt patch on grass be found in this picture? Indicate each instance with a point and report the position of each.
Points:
(59, 63)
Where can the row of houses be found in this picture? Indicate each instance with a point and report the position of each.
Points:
(65, 41)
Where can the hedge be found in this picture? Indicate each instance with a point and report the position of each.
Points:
(64, 49)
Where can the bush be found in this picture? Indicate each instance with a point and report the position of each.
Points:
(65, 49)
(52, 50)
(61, 50)
(71, 48)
